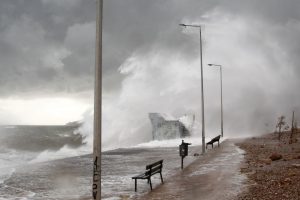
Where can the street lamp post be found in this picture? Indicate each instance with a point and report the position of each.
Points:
(96, 193)
(202, 90)
(220, 66)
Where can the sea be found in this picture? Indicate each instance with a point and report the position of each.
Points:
(55, 163)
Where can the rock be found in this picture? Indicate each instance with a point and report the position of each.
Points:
(266, 161)
(286, 181)
(292, 174)
(295, 140)
(286, 196)
(275, 156)
(296, 165)
(288, 158)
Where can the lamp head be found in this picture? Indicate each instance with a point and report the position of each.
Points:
(182, 25)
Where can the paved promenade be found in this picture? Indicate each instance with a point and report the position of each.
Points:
(216, 175)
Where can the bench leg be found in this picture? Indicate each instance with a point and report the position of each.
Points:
(218, 143)
(161, 178)
(135, 185)
(150, 182)
(212, 145)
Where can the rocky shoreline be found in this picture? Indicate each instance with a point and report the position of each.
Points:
(272, 167)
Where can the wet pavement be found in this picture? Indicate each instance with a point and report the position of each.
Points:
(216, 175)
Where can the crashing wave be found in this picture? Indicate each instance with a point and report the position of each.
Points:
(165, 126)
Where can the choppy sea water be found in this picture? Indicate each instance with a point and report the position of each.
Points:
(22, 148)
(54, 163)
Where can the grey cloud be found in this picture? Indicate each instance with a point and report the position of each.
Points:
(49, 45)
(32, 44)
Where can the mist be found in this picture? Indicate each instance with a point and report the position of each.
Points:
(256, 81)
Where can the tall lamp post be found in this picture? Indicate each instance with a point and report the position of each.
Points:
(220, 66)
(97, 105)
(202, 91)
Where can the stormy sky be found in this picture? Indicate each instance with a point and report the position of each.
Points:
(150, 64)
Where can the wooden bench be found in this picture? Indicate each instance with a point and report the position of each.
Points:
(215, 139)
(151, 169)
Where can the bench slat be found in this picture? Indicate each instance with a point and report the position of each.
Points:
(140, 177)
(156, 169)
(154, 164)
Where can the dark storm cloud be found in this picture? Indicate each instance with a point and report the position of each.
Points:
(50, 44)
(41, 36)
(33, 44)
